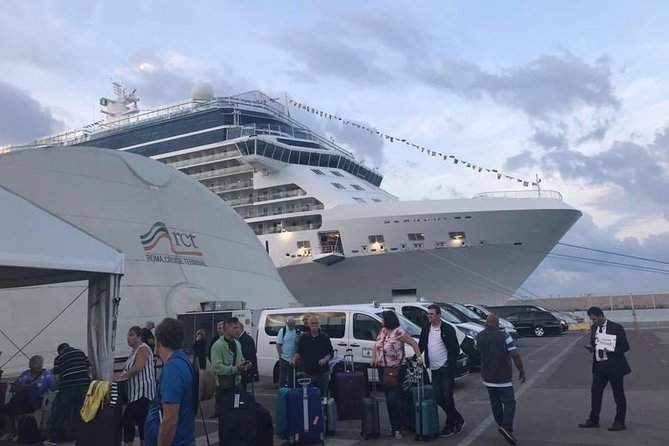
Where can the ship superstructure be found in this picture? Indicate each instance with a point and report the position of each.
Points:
(320, 213)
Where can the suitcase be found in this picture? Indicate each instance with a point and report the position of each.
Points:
(305, 414)
(103, 430)
(350, 390)
(282, 413)
(265, 427)
(237, 418)
(426, 416)
(370, 424)
(3, 396)
(331, 416)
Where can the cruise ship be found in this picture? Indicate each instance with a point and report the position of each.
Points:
(333, 233)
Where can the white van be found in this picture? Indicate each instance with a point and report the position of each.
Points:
(466, 332)
(352, 327)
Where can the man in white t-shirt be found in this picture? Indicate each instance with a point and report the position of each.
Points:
(440, 344)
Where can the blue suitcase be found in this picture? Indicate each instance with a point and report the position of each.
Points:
(426, 416)
(282, 430)
(305, 414)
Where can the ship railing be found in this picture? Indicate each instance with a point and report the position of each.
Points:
(228, 187)
(219, 172)
(203, 159)
(555, 195)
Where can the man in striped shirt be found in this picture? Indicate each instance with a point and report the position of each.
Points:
(497, 350)
(71, 369)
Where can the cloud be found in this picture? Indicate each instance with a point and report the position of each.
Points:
(330, 56)
(572, 277)
(549, 85)
(367, 147)
(162, 79)
(22, 118)
(550, 140)
(597, 132)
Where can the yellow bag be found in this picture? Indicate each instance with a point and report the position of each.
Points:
(97, 392)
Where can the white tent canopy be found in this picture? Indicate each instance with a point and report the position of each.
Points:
(37, 247)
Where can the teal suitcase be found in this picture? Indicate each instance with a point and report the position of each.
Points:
(282, 413)
(426, 416)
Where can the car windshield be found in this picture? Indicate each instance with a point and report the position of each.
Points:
(412, 329)
(449, 316)
(466, 311)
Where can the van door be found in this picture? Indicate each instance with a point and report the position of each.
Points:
(364, 329)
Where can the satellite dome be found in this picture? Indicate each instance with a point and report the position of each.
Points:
(202, 91)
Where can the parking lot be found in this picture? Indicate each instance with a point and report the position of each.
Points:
(555, 398)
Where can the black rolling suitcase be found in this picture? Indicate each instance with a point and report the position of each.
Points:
(370, 425)
(103, 430)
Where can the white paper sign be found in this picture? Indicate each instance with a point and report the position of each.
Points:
(606, 342)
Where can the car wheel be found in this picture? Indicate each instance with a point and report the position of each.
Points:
(539, 331)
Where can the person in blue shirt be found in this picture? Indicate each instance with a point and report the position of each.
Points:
(39, 380)
(171, 418)
(285, 346)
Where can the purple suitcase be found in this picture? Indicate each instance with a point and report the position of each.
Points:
(350, 390)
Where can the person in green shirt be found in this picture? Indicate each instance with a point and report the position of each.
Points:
(227, 357)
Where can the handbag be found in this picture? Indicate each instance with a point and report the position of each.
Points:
(391, 374)
(25, 400)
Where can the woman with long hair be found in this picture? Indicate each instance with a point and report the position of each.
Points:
(139, 371)
(388, 354)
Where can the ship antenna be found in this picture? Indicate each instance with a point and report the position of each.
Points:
(285, 98)
(538, 183)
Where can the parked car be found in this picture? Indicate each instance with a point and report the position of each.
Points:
(416, 312)
(505, 310)
(504, 324)
(353, 327)
(537, 323)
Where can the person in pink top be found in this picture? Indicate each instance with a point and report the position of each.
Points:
(389, 354)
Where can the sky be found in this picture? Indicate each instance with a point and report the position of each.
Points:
(574, 92)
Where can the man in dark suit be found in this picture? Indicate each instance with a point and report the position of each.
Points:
(249, 352)
(607, 366)
(440, 344)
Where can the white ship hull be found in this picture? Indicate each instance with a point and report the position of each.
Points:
(500, 250)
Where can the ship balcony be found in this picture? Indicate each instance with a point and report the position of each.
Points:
(215, 173)
(203, 160)
(230, 187)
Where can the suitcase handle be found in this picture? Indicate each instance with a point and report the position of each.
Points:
(304, 382)
(348, 361)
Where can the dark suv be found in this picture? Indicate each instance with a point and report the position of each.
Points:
(537, 323)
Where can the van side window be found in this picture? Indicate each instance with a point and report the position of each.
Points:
(332, 324)
(365, 327)
(415, 315)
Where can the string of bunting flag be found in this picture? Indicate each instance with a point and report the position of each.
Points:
(427, 151)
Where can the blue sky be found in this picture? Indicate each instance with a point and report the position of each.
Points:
(575, 92)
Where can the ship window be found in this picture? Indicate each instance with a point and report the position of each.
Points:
(285, 155)
(457, 218)
(416, 236)
(357, 187)
(403, 245)
(457, 235)
(359, 200)
(333, 161)
(313, 158)
(317, 171)
(337, 174)
(338, 186)
(377, 200)
(440, 244)
(303, 244)
(375, 239)
(517, 243)
(304, 158)
(324, 161)
(294, 157)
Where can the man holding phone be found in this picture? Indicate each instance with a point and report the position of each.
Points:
(227, 357)
(608, 366)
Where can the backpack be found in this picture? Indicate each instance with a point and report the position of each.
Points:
(26, 400)
(28, 431)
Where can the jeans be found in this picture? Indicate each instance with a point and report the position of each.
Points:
(600, 378)
(322, 382)
(285, 374)
(503, 405)
(443, 381)
(395, 402)
(67, 400)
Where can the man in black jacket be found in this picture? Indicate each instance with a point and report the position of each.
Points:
(607, 366)
(440, 344)
(249, 353)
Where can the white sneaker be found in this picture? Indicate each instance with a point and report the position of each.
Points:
(50, 443)
(7, 437)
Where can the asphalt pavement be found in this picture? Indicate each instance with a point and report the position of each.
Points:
(555, 398)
